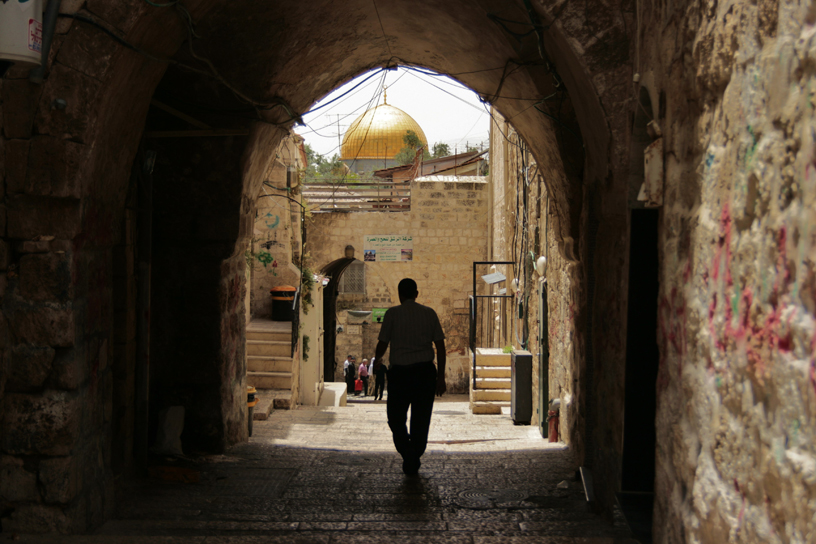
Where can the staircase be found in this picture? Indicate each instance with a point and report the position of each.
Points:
(269, 361)
(492, 390)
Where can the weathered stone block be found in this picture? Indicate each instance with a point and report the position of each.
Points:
(40, 424)
(28, 367)
(87, 50)
(123, 15)
(4, 255)
(43, 326)
(16, 483)
(20, 98)
(81, 94)
(16, 164)
(54, 166)
(70, 369)
(60, 478)
(33, 246)
(37, 519)
(45, 276)
(29, 217)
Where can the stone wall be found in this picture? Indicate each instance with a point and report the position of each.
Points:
(509, 158)
(447, 221)
(276, 234)
(731, 85)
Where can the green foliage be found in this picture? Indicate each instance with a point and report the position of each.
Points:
(412, 143)
(305, 347)
(441, 150)
(319, 169)
(306, 286)
(507, 349)
(323, 170)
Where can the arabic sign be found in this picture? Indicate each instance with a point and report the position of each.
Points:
(388, 248)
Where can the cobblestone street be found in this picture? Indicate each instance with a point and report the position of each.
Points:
(330, 475)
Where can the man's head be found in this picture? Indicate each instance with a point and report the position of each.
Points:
(407, 289)
(351, 357)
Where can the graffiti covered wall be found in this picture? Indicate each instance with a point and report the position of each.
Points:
(736, 454)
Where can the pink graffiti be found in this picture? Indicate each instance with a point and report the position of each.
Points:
(723, 246)
(764, 336)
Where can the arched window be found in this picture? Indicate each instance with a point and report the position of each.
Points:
(353, 279)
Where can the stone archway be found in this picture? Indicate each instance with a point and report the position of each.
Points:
(67, 183)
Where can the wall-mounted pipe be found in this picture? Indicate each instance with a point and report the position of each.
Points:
(37, 74)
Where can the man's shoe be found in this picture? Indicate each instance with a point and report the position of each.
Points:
(410, 467)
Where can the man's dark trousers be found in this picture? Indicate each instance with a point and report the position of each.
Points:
(414, 386)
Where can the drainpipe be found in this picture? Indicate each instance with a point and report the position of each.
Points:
(37, 74)
(145, 255)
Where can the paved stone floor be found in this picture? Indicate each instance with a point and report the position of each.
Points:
(330, 475)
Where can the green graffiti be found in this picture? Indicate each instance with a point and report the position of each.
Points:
(750, 155)
(735, 305)
(265, 258)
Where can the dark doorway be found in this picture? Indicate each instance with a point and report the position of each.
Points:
(642, 357)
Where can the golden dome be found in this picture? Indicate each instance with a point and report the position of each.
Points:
(377, 134)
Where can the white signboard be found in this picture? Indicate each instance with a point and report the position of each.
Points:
(388, 248)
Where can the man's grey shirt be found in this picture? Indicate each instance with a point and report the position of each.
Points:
(411, 329)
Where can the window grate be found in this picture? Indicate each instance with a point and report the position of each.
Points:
(353, 279)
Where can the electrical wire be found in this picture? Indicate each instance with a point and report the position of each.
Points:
(377, 11)
(157, 5)
(213, 74)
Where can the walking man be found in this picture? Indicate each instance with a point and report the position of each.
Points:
(412, 330)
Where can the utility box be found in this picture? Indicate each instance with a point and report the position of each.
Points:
(521, 387)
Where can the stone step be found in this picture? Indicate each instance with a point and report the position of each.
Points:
(478, 395)
(492, 383)
(277, 348)
(493, 372)
(488, 407)
(492, 359)
(268, 336)
(270, 380)
(269, 400)
(267, 363)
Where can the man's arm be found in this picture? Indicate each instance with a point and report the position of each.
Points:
(441, 360)
(380, 351)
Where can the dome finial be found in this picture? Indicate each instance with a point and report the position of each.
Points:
(385, 95)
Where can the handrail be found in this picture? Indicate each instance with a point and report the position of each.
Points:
(472, 334)
(474, 299)
(295, 338)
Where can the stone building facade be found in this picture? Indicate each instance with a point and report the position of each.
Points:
(446, 222)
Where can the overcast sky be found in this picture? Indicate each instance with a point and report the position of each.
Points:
(447, 111)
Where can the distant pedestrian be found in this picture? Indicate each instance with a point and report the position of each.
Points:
(379, 378)
(349, 373)
(364, 375)
(412, 330)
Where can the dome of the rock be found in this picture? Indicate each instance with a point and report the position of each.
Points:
(378, 134)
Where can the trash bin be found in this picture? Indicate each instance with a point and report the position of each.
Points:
(283, 298)
(252, 400)
(521, 387)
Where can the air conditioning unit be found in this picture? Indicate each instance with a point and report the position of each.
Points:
(21, 31)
